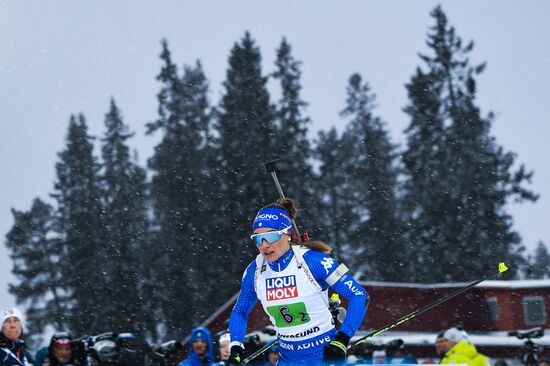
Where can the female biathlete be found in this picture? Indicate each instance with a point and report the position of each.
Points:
(291, 281)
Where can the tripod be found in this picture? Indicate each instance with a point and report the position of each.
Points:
(530, 349)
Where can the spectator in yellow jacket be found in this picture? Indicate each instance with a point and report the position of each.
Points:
(458, 349)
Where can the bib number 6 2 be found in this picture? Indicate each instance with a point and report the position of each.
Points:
(289, 315)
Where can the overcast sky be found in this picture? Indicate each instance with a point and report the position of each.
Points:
(64, 57)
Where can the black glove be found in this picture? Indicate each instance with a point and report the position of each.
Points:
(236, 356)
(337, 348)
(205, 360)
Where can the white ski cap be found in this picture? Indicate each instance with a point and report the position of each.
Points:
(379, 356)
(12, 312)
(455, 335)
(225, 338)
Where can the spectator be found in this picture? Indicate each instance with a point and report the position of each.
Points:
(440, 346)
(272, 355)
(402, 360)
(542, 362)
(379, 357)
(200, 349)
(60, 350)
(12, 347)
(398, 357)
(42, 357)
(427, 361)
(224, 341)
(458, 349)
(386, 357)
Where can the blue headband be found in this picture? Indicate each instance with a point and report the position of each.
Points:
(272, 218)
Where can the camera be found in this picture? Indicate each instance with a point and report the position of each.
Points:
(527, 334)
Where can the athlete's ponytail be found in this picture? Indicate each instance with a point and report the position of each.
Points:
(288, 205)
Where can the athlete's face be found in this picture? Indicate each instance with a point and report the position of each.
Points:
(273, 251)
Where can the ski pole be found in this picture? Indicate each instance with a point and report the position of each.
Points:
(501, 268)
(258, 352)
(271, 167)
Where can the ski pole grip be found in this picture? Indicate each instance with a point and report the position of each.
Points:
(271, 167)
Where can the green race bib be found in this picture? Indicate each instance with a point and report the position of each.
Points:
(289, 315)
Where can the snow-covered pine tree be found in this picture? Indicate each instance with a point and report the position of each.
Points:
(292, 126)
(377, 238)
(124, 199)
(337, 216)
(35, 250)
(81, 225)
(458, 178)
(538, 264)
(179, 190)
(247, 139)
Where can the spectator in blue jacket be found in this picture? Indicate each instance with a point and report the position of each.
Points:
(272, 355)
(200, 349)
(42, 357)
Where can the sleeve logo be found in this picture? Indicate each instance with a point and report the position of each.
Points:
(356, 291)
(327, 262)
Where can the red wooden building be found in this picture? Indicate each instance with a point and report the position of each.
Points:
(487, 311)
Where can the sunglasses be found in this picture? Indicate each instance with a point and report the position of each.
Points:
(270, 236)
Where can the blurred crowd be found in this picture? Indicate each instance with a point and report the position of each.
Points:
(116, 349)
(452, 346)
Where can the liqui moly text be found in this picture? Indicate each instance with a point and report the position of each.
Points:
(280, 288)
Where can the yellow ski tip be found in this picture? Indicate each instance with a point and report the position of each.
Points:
(502, 267)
